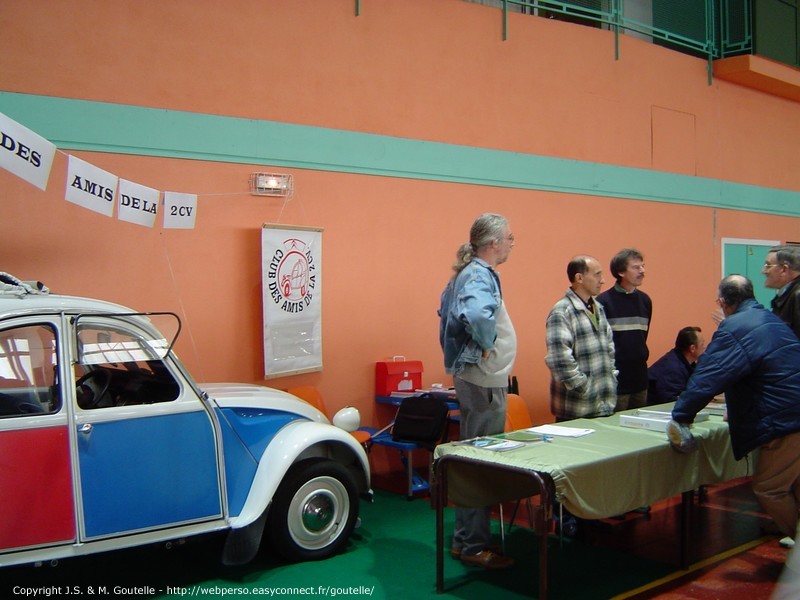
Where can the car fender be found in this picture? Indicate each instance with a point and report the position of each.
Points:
(290, 444)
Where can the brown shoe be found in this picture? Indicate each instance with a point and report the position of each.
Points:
(455, 551)
(487, 559)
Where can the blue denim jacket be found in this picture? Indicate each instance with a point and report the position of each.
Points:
(467, 315)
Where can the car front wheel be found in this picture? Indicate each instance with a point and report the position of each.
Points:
(314, 511)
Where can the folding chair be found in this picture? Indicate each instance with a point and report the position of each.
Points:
(420, 422)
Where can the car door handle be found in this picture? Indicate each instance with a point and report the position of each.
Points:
(85, 428)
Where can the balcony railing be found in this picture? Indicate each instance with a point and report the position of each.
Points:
(707, 28)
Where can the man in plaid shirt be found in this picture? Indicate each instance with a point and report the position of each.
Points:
(580, 347)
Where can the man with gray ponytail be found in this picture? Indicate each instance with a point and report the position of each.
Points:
(479, 345)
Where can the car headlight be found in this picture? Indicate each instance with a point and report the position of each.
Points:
(347, 418)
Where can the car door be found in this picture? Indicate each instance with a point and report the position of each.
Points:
(147, 448)
(37, 498)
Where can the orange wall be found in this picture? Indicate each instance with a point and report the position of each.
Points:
(418, 69)
(387, 248)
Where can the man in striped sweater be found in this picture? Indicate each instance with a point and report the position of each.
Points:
(629, 311)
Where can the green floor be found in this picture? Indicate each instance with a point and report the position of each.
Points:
(392, 555)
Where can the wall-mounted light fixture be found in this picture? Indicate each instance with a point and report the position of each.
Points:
(271, 184)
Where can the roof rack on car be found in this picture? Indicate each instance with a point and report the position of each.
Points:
(10, 285)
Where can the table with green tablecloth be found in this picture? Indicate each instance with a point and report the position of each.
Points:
(608, 472)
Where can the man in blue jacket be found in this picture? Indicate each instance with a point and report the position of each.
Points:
(754, 357)
(479, 346)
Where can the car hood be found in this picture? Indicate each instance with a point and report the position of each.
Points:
(243, 395)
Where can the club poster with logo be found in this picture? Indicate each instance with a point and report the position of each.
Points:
(291, 273)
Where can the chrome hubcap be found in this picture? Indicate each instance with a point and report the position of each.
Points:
(318, 512)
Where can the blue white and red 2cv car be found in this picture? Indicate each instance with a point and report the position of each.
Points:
(107, 442)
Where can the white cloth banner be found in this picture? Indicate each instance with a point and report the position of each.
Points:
(291, 268)
(25, 153)
(90, 187)
(180, 210)
(137, 203)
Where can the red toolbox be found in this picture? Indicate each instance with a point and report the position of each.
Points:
(397, 375)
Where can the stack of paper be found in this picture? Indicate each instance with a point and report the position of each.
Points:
(654, 420)
(560, 430)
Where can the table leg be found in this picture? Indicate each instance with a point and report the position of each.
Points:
(687, 502)
(542, 530)
(438, 496)
(544, 513)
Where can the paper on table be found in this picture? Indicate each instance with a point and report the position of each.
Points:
(559, 430)
(491, 443)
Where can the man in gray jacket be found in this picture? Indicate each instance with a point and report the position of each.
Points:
(782, 272)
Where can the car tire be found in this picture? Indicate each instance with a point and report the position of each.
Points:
(313, 511)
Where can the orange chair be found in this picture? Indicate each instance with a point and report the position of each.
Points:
(311, 395)
(518, 417)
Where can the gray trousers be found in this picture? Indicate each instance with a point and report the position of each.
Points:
(483, 412)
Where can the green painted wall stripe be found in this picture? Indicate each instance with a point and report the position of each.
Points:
(103, 127)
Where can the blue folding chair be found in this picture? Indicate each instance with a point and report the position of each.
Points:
(420, 423)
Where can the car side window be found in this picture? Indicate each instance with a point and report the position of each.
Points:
(28, 367)
(120, 367)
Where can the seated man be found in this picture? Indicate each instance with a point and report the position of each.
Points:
(669, 374)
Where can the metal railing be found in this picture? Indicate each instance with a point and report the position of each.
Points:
(735, 27)
(709, 28)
